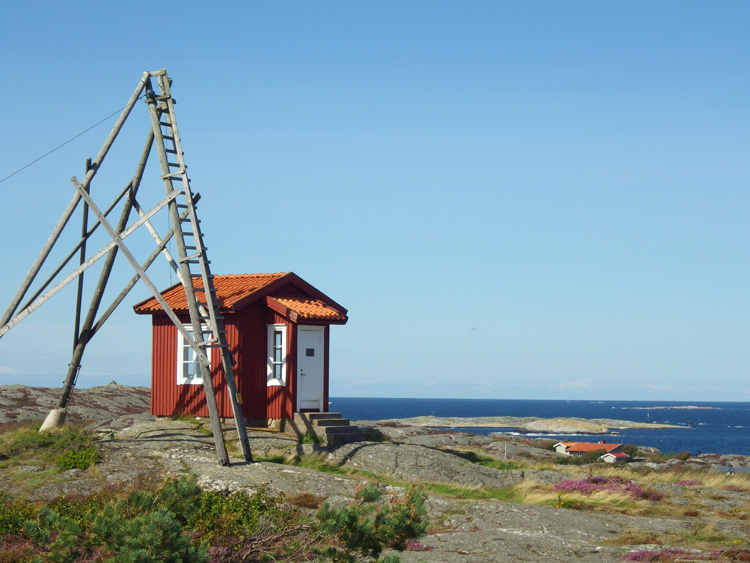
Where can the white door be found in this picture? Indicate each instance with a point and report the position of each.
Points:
(310, 364)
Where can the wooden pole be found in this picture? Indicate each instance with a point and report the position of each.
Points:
(83, 337)
(153, 256)
(31, 307)
(72, 205)
(81, 260)
(76, 248)
(36, 266)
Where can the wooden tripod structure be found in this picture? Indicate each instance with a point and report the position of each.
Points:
(206, 328)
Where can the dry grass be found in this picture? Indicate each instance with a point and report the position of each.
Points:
(305, 499)
(701, 488)
(703, 536)
(530, 492)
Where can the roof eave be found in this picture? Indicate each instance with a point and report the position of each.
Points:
(295, 317)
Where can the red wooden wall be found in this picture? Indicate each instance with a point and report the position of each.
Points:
(246, 336)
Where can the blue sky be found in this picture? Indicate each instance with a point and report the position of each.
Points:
(513, 200)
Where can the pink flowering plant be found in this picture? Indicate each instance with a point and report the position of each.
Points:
(607, 484)
(736, 488)
(671, 554)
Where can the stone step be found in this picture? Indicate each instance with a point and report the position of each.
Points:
(321, 415)
(328, 427)
(339, 429)
(352, 434)
(331, 422)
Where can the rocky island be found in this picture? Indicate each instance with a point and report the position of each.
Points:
(533, 424)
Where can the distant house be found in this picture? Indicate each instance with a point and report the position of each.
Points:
(614, 457)
(582, 448)
(278, 332)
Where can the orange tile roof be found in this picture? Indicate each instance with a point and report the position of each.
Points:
(589, 447)
(312, 309)
(240, 289)
(229, 289)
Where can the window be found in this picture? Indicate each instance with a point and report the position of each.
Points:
(188, 366)
(276, 374)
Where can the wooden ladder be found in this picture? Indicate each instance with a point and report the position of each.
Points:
(191, 264)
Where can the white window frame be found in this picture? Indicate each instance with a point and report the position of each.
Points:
(183, 378)
(276, 367)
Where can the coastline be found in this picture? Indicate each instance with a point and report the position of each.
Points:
(557, 425)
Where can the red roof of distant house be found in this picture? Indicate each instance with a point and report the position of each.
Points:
(586, 447)
(618, 455)
(234, 291)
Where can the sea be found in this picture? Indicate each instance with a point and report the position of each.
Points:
(719, 428)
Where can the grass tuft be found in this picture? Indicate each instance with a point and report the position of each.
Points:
(486, 461)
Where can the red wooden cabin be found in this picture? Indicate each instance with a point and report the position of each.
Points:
(278, 332)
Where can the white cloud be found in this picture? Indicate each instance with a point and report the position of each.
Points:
(577, 384)
(658, 387)
(8, 371)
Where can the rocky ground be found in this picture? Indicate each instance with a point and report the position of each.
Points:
(136, 447)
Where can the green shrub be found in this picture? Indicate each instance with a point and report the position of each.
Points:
(78, 459)
(23, 441)
(364, 529)
(13, 514)
(221, 516)
(368, 492)
(141, 527)
(155, 536)
(177, 522)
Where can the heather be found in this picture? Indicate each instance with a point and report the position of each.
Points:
(677, 554)
(615, 485)
(671, 554)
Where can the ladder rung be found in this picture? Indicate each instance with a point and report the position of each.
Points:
(171, 151)
(167, 137)
(166, 124)
(175, 164)
(207, 320)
